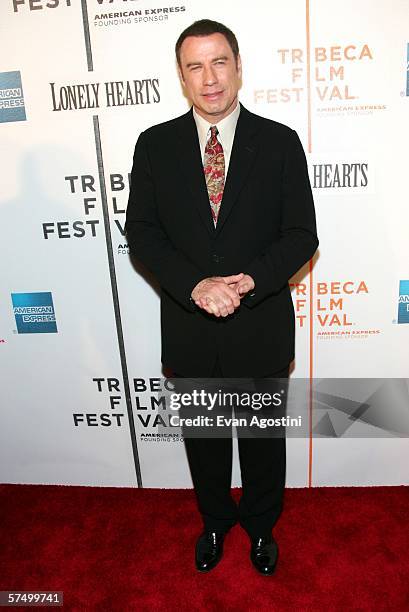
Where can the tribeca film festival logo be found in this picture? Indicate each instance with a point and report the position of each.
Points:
(331, 317)
(82, 187)
(34, 313)
(111, 388)
(403, 308)
(148, 397)
(157, 404)
(79, 96)
(136, 14)
(11, 97)
(330, 88)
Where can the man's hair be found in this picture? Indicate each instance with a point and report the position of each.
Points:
(206, 27)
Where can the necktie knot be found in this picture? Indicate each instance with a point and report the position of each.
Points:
(213, 133)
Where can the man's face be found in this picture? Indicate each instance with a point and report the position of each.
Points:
(210, 75)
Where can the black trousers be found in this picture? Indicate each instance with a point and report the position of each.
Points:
(262, 466)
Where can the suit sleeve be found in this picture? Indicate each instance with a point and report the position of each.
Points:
(147, 239)
(298, 240)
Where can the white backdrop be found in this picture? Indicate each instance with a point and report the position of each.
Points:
(336, 73)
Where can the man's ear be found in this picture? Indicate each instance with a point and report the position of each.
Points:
(238, 65)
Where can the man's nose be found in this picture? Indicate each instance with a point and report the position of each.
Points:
(209, 76)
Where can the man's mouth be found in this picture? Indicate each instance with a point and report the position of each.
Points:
(213, 95)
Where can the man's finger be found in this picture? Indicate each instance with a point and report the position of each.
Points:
(202, 303)
(223, 295)
(214, 309)
(230, 300)
(227, 306)
(221, 299)
(228, 292)
(233, 278)
(243, 288)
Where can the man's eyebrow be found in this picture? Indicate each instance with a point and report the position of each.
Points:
(215, 59)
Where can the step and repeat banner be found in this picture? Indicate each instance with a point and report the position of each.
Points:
(79, 321)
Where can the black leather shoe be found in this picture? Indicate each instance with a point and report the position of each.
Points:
(209, 550)
(264, 554)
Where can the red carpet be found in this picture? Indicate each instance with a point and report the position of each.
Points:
(128, 549)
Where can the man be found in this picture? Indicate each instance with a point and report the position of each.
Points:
(221, 211)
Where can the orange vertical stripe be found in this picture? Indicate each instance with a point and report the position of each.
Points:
(311, 364)
(311, 334)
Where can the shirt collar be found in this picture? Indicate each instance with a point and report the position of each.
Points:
(225, 126)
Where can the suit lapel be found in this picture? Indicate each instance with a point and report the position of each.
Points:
(192, 168)
(243, 155)
(242, 158)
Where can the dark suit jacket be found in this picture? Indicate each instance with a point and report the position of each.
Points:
(266, 228)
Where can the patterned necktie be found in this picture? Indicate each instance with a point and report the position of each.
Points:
(214, 172)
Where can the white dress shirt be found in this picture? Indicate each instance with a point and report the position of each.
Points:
(226, 128)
